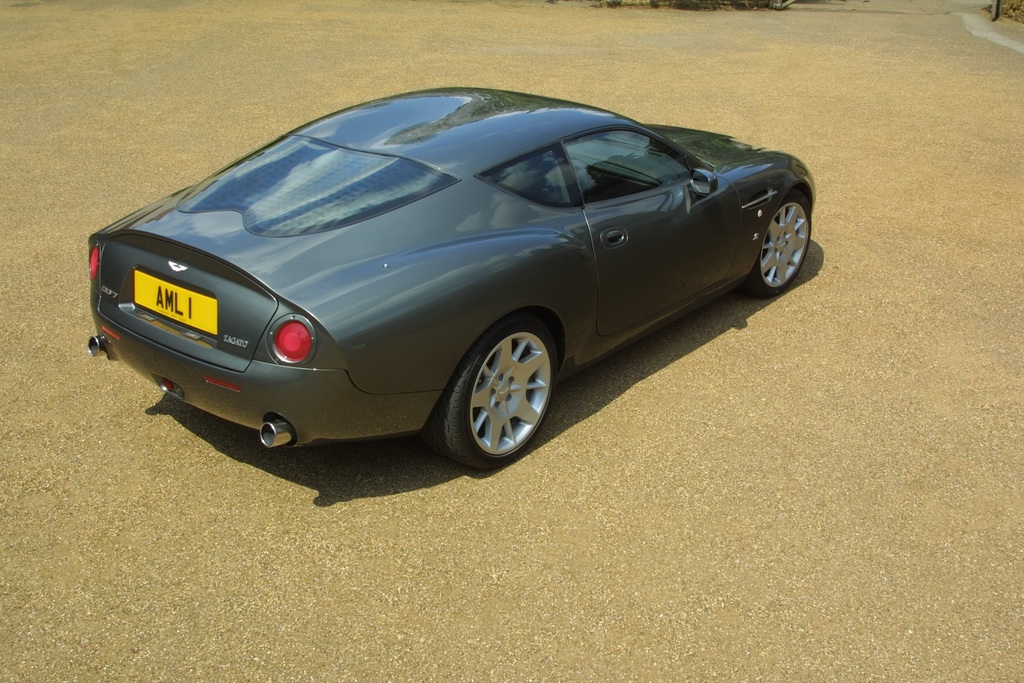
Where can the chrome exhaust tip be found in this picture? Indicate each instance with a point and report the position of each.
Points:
(97, 346)
(277, 432)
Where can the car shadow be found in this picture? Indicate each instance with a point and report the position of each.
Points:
(347, 471)
(337, 472)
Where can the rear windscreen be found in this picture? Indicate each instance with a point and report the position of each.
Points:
(299, 186)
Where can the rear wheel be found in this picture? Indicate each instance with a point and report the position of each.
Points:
(783, 249)
(498, 396)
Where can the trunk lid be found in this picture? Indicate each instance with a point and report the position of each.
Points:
(180, 296)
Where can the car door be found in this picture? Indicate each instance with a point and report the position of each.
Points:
(658, 243)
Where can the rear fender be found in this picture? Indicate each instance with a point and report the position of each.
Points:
(403, 322)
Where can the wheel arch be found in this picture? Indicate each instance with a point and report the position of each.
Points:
(804, 188)
(556, 327)
(802, 179)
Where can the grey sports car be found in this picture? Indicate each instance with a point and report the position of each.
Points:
(434, 262)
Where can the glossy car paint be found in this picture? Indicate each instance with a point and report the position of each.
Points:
(396, 300)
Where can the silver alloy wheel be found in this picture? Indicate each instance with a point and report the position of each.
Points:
(510, 393)
(784, 244)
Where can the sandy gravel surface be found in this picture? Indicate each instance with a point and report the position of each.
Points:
(829, 486)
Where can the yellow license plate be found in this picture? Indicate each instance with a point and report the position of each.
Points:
(177, 303)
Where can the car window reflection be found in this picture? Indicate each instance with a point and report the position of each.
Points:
(300, 186)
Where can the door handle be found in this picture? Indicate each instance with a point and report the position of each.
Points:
(613, 237)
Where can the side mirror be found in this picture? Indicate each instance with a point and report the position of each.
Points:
(703, 182)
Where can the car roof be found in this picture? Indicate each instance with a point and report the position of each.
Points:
(461, 131)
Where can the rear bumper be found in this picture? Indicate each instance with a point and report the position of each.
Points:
(322, 405)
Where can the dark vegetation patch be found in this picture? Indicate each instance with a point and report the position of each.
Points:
(690, 4)
(1014, 9)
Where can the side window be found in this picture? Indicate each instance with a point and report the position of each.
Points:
(617, 163)
(542, 176)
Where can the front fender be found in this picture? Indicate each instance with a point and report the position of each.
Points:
(772, 175)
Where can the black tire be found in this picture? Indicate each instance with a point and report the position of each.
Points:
(487, 417)
(787, 237)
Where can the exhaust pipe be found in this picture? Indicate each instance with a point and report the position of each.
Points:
(277, 432)
(98, 345)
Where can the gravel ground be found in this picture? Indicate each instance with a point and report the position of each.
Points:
(827, 486)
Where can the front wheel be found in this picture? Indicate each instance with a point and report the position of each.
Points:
(498, 396)
(783, 249)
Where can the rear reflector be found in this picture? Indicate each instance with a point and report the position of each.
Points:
(222, 383)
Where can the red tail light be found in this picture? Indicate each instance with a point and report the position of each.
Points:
(293, 341)
(94, 262)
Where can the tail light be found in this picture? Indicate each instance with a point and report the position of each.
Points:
(94, 262)
(292, 340)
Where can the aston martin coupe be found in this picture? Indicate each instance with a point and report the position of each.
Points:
(434, 263)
